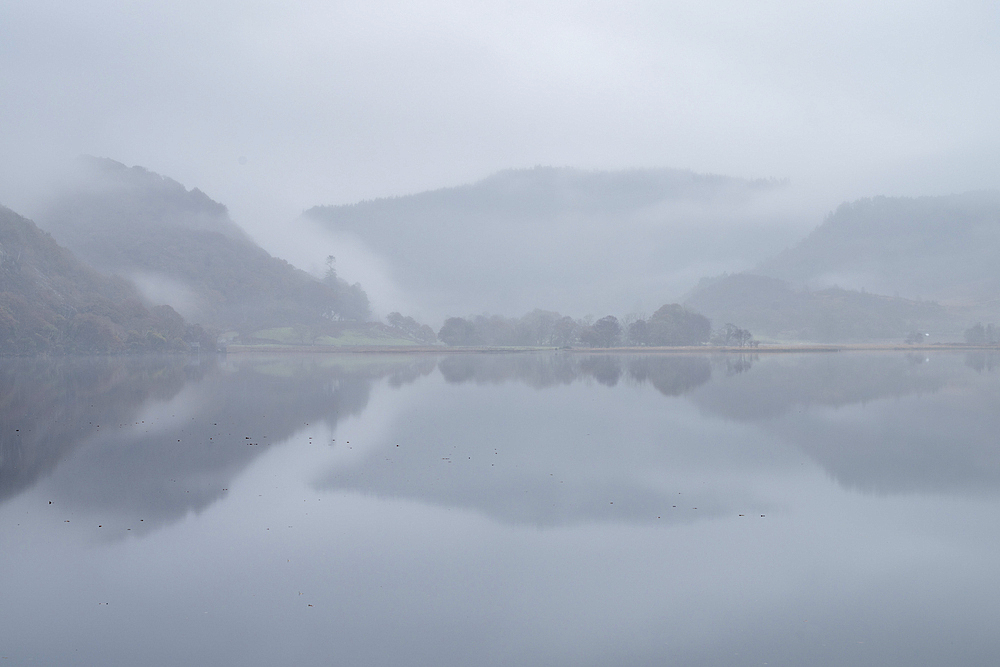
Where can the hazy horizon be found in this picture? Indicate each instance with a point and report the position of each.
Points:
(273, 109)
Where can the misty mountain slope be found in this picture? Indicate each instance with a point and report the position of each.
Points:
(52, 302)
(565, 239)
(942, 248)
(772, 308)
(180, 247)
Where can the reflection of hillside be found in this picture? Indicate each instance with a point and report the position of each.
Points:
(671, 374)
(49, 407)
(942, 443)
(571, 454)
(171, 439)
(782, 384)
(882, 423)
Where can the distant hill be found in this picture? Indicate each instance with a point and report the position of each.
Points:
(833, 285)
(51, 302)
(565, 239)
(772, 308)
(181, 247)
(937, 248)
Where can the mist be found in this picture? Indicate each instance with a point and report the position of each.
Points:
(292, 117)
(334, 104)
(504, 332)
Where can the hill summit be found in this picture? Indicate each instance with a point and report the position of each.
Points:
(565, 239)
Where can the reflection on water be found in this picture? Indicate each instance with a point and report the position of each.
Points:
(165, 435)
(555, 508)
(670, 374)
(49, 407)
(981, 360)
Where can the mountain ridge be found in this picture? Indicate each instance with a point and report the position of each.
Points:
(565, 239)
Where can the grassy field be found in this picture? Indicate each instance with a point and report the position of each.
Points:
(285, 336)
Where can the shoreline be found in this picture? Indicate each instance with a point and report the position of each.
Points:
(697, 349)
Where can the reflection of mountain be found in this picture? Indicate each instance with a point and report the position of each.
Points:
(50, 407)
(157, 438)
(574, 453)
(556, 459)
(884, 423)
(780, 384)
(154, 438)
(887, 423)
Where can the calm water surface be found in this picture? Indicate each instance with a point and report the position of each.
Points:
(530, 509)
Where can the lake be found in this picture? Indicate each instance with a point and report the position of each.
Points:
(501, 509)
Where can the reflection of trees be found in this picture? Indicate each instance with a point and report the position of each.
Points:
(982, 360)
(536, 370)
(739, 363)
(607, 370)
(671, 375)
(402, 374)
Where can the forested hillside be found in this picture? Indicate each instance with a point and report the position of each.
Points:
(180, 247)
(51, 302)
(773, 308)
(936, 248)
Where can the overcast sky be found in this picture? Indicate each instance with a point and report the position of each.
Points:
(333, 102)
